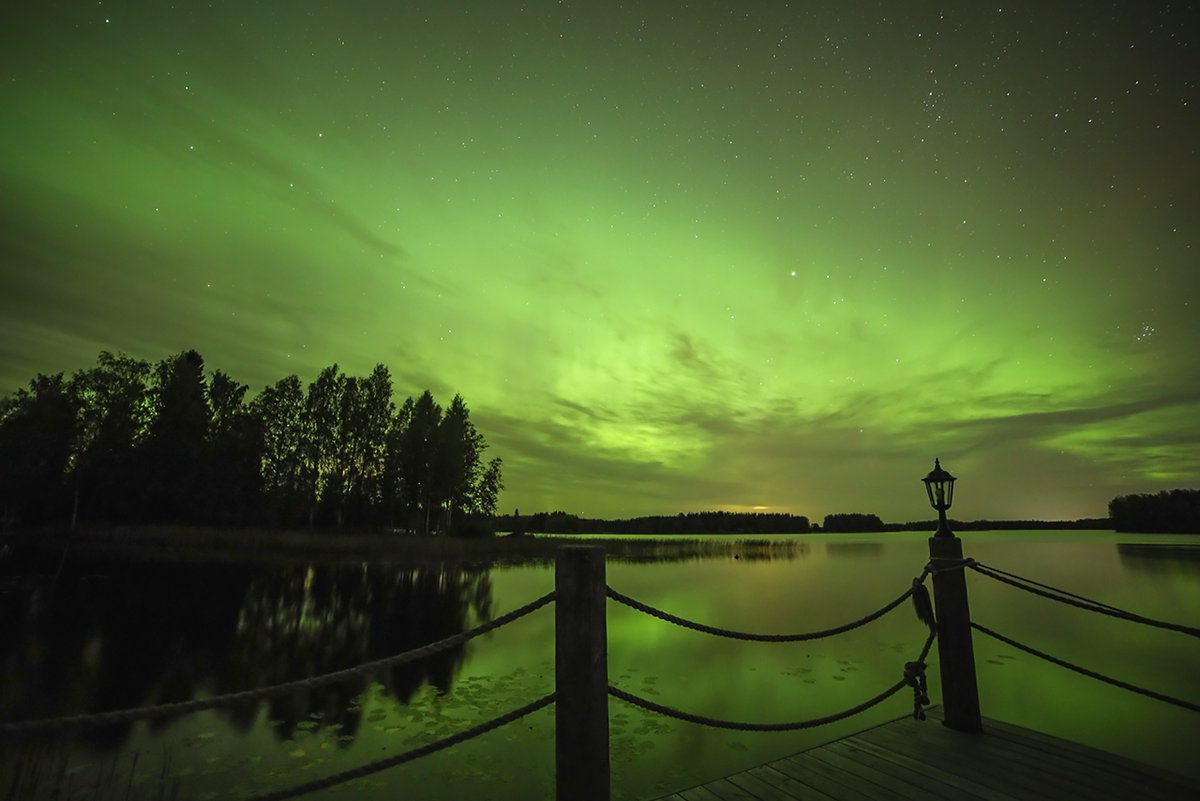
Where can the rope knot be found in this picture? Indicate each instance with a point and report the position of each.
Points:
(914, 676)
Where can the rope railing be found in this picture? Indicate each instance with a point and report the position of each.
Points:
(581, 689)
(1071, 599)
(914, 676)
(917, 591)
(1124, 685)
(407, 756)
(70, 723)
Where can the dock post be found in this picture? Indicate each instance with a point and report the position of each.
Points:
(581, 675)
(956, 656)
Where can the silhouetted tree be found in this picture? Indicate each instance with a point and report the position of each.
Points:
(1170, 511)
(278, 411)
(396, 491)
(374, 422)
(486, 492)
(419, 445)
(170, 458)
(232, 482)
(321, 435)
(365, 420)
(112, 403)
(124, 441)
(456, 467)
(37, 429)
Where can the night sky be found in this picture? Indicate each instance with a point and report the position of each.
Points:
(675, 256)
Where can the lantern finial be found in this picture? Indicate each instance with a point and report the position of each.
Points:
(939, 486)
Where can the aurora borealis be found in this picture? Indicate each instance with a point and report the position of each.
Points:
(675, 256)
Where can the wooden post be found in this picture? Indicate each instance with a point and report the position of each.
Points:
(581, 675)
(956, 656)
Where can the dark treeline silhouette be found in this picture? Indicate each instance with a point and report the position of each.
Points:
(1086, 523)
(852, 521)
(130, 442)
(1174, 511)
(762, 523)
(689, 523)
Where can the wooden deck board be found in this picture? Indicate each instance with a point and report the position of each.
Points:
(794, 788)
(933, 778)
(1168, 786)
(902, 786)
(909, 760)
(802, 765)
(840, 787)
(970, 756)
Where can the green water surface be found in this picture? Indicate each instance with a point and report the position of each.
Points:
(109, 635)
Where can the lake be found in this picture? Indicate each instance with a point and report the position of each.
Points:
(105, 634)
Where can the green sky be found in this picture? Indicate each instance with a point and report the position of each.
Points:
(675, 256)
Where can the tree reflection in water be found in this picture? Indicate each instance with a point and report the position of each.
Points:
(115, 636)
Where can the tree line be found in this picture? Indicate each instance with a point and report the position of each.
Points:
(1174, 511)
(1082, 524)
(690, 523)
(127, 441)
(852, 522)
(560, 522)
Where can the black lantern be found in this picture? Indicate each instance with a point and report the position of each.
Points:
(939, 485)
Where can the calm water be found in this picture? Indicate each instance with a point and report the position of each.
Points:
(109, 636)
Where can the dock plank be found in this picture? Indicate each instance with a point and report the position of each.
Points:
(1167, 787)
(796, 789)
(699, 794)
(726, 790)
(751, 781)
(934, 778)
(909, 760)
(808, 765)
(831, 785)
(972, 755)
(912, 787)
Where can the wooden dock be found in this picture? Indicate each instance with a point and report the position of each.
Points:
(910, 759)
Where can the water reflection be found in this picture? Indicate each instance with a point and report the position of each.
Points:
(638, 548)
(168, 632)
(1160, 558)
(119, 636)
(859, 549)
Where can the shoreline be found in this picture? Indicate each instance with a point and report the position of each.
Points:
(185, 543)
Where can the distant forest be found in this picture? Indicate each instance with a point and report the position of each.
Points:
(760, 523)
(1087, 523)
(1174, 511)
(852, 521)
(690, 523)
(126, 441)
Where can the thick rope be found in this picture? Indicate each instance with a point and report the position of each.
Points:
(407, 756)
(987, 569)
(716, 723)
(741, 635)
(1090, 673)
(1078, 601)
(914, 677)
(63, 724)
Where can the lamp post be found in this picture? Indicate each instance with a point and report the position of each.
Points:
(939, 485)
(956, 655)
